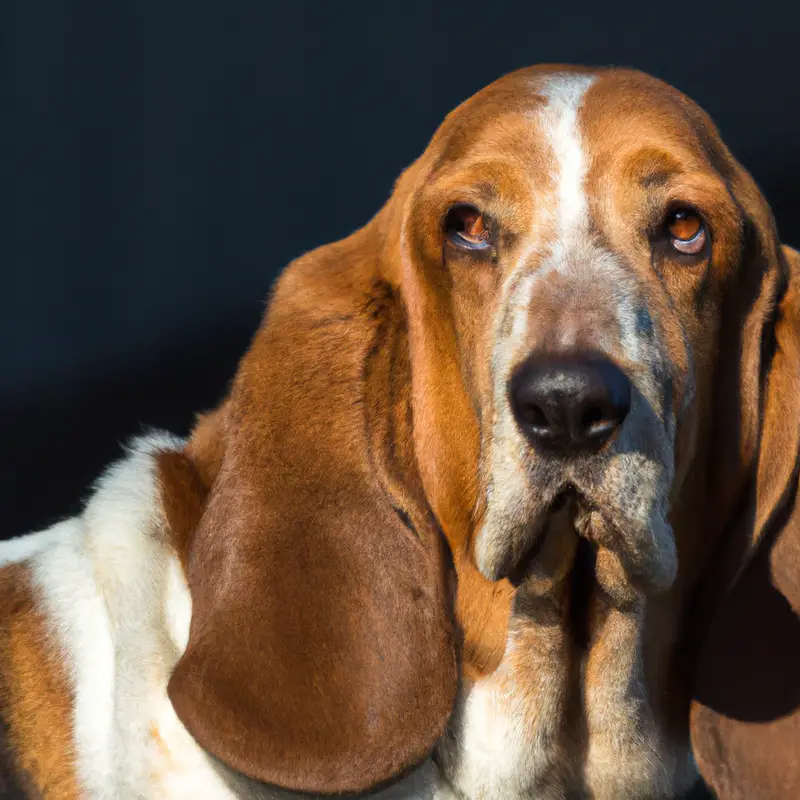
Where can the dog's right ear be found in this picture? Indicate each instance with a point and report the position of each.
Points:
(322, 653)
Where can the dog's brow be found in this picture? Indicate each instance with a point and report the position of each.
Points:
(653, 167)
(652, 180)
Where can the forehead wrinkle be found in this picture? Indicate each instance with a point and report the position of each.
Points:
(494, 185)
(672, 173)
(652, 167)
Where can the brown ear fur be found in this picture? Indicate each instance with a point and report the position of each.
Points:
(322, 655)
(746, 710)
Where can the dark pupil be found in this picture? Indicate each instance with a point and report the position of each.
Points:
(468, 221)
(461, 220)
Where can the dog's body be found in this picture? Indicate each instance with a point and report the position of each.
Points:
(565, 355)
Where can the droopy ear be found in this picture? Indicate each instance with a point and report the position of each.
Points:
(322, 655)
(746, 709)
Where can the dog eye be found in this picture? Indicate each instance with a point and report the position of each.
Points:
(687, 231)
(465, 227)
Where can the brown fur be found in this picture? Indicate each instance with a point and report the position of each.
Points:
(35, 701)
(183, 497)
(369, 386)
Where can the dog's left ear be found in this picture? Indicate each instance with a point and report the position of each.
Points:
(746, 710)
(322, 653)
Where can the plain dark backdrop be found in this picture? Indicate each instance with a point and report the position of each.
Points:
(163, 161)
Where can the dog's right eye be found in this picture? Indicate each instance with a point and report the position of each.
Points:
(464, 226)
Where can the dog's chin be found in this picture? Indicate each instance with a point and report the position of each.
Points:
(632, 560)
(629, 563)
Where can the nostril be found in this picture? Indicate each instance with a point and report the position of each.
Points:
(592, 416)
(533, 415)
(597, 422)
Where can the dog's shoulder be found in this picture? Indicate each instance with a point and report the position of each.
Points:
(94, 612)
(35, 694)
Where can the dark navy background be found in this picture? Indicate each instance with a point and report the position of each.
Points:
(162, 161)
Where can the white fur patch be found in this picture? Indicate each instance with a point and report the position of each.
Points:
(116, 600)
(495, 753)
(15, 551)
(75, 608)
(559, 120)
(504, 737)
(177, 605)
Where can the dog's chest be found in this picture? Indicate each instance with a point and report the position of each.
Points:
(542, 726)
(176, 767)
(507, 742)
(498, 751)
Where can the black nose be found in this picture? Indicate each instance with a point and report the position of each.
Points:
(569, 404)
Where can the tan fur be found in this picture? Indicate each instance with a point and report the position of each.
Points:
(35, 699)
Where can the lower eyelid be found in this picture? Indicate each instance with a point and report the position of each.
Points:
(471, 245)
(681, 244)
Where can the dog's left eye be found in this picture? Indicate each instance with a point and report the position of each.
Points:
(687, 231)
(465, 227)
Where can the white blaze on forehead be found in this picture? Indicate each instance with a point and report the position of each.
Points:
(574, 248)
(559, 121)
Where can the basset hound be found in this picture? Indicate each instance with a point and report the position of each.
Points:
(501, 502)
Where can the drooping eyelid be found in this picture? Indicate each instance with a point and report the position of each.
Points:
(684, 246)
(677, 204)
(507, 207)
(699, 190)
(659, 212)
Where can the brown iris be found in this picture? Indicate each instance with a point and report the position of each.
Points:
(687, 231)
(465, 227)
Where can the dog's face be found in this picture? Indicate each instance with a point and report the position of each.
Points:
(580, 231)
